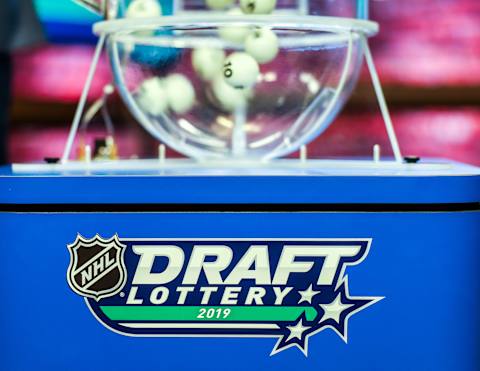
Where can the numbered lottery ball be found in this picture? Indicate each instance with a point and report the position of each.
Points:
(143, 9)
(180, 93)
(258, 6)
(262, 44)
(152, 96)
(208, 62)
(234, 34)
(219, 4)
(241, 70)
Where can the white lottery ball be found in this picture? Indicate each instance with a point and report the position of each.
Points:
(152, 96)
(240, 70)
(227, 96)
(219, 4)
(258, 6)
(180, 93)
(144, 9)
(262, 44)
(208, 62)
(234, 34)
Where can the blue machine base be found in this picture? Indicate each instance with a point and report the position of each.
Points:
(424, 261)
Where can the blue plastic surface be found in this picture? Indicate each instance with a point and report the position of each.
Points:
(427, 265)
(460, 184)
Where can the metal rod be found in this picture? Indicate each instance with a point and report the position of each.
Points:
(381, 101)
(107, 118)
(83, 99)
(88, 154)
(239, 135)
(162, 153)
(376, 153)
(303, 154)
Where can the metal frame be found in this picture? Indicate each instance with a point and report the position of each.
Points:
(353, 27)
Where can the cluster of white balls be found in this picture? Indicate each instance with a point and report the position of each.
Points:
(260, 43)
(156, 95)
(174, 92)
(231, 77)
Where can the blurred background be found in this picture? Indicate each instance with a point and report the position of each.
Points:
(427, 53)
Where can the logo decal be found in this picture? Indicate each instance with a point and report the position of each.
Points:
(97, 268)
(279, 288)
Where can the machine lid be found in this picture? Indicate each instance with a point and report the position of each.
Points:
(183, 182)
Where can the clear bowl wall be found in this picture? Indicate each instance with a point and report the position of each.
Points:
(296, 95)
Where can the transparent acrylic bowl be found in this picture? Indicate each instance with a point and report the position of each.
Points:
(294, 99)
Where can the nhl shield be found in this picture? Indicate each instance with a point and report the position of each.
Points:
(97, 268)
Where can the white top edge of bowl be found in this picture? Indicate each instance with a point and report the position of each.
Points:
(314, 23)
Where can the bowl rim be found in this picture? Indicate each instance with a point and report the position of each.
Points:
(308, 22)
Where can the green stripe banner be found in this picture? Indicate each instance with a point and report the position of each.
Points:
(199, 313)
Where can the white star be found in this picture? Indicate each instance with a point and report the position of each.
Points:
(335, 304)
(307, 295)
(335, 309)
(297, 331)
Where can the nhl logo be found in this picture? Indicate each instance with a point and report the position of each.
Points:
(97, 268)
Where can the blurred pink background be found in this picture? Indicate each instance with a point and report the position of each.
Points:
(427, 53)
